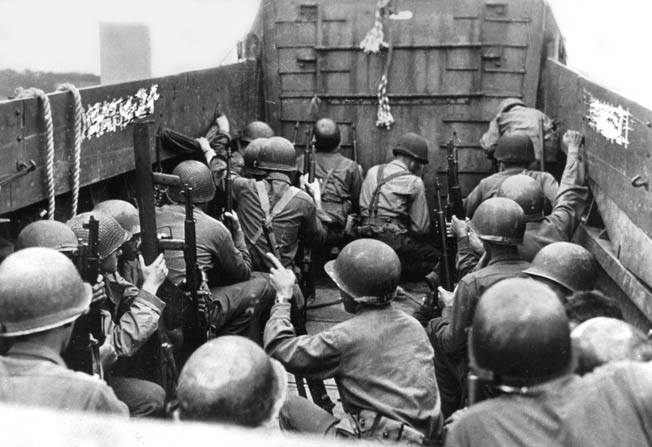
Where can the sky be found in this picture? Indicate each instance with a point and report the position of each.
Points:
(606, 40)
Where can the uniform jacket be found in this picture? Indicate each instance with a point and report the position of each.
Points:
(567, 212)
(35, 375)
(381, 361)
(488, 187)
(340, 181)
(402, 198)
(225, 258)
(298, 217)
(449, 332)
(612, 406)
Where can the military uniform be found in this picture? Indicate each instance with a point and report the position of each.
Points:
(227, 264)
(612, 406)
(35, 375)
(394, 210)
(364, 354)
(488, 187)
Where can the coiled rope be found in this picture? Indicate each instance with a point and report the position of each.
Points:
(49, 134)
(78, 128)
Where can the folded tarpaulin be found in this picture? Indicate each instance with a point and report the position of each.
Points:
(179, 143)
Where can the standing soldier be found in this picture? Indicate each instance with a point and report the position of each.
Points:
(514, 154)
(41, 295)
(394, 209)
(221, 254)
(339, 179)
(130, 315)
(500, 224)
(381, 359)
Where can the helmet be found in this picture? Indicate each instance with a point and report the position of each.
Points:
(49, 234)
(413, 145)
(124, 212)
(40, 289)
(196, 175)
(514, 148)
(327, 135)
(256, 129)
(520, 332)
(231, 379)
(525, 191)
(277, 155)
(111, 234)
(368, 270)
(250, 156)
(569, 265)
(500, 221)
(603, 340)
(508, 103)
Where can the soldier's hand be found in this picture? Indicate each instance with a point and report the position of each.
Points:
(281, 278)
(232, 222)
(99, 289)
(223, 123)
(445, 297)
(459, 228)
(313, 188)
(153, 274)
(573, 139)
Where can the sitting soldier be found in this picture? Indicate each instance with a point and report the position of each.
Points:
(231, 380)
(41, 295)
(520, 346)
(381, 359)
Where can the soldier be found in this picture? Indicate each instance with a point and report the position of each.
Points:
(130, 315)
(127, 216)
(604, 340)
(587, 304)
(394, 209)
(564, 267)
(500, 224)
(221, 254)
(514, 117)
(520, 345)
(231, 380)
(41, 295)
(514, 154)
(380, 359)
(250, 156)
(339, 177)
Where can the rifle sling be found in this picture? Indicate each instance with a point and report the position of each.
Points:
(373, 206)
(279, 206)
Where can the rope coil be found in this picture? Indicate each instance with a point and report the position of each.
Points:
(49, 135)
(78, 128)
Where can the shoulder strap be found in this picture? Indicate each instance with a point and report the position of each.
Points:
(373, 207)
(287, 196)
(263, 198)
(267, 229)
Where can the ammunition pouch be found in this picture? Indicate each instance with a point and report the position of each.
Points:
(373, 226)
(370, 425)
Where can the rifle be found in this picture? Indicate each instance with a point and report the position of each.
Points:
(446, 270)
(227, 181)
(307, 272)
(88, 334)
(455, 206)
(354, 143)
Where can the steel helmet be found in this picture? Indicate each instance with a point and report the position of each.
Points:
(603, 340)
(256, 129)
(500, 221)
(197, 176)
(520, 332)
(111, 234)
(514, 148)
(569, 265)
(49, 234)
(327, 135)
(525, 191)
(368, 270)
(250, 156)
(124, 212)
(231, 379)
(277, 155)
(413, 145)
(40, 289)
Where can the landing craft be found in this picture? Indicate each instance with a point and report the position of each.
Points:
(436, 68)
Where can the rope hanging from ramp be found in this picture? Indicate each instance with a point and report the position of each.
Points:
(78, 129)
(49, 136)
